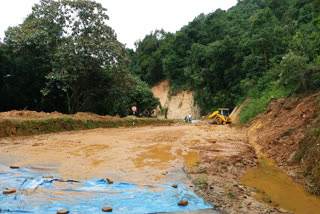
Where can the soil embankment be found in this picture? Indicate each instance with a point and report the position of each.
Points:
(175, 106)
(22, 123)
(281, 128)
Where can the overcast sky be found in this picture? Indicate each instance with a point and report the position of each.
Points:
(131, 19)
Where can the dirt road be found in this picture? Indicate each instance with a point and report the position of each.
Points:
(214, 158)
(140, 155)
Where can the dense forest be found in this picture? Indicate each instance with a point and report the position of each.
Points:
(65, 58)
(263, 49)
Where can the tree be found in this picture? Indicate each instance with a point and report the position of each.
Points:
(266, 34)
(79, 45)
(147, 60)
(226, 55)
(143, 98)
(298, 73)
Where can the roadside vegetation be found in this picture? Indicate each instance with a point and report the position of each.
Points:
(263, 49)
(59, 124)
(64, 57)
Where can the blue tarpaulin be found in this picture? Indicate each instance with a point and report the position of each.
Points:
(44, 195)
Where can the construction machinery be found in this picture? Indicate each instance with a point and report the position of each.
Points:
(221, 116)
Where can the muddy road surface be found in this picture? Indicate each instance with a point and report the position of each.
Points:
(138, 155)
(207, 159)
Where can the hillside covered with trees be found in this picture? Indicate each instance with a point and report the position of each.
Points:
(64, 57)
(263, 49)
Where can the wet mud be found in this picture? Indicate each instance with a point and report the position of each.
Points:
(207, 159)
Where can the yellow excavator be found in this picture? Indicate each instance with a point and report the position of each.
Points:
(221, 116)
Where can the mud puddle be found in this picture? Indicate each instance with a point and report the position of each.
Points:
(276, 188)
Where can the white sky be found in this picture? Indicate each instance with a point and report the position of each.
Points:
(131, 19)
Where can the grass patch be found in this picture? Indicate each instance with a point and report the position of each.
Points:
(257, 105)
(59, 124)
(231, 195)
(202, 182)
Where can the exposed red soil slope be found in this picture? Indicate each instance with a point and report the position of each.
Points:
(280, 129)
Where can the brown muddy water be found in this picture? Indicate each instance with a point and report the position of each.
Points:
(276, 188)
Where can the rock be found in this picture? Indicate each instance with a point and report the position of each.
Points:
(238, 164)
(183, 203)
(107, 209)
(244, 163)
(9, 191)
(63, 211)
(109, 181)
(47, 176)
(174, 186)
(14, 167)
(216, 205)
(241, 188)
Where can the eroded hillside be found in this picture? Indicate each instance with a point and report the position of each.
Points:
(284, 130)
(175, 106)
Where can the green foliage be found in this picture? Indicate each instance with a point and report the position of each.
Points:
(202, 182)
(64, 57)
(259, 48)
(143, 98)
(146, 60)
(231, 195)
(259, 103)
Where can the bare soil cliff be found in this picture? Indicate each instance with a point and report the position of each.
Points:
(281, 130)
(175, 106)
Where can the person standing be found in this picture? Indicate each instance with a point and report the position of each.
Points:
(190, 117)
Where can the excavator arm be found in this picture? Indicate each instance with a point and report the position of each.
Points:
(214, 114)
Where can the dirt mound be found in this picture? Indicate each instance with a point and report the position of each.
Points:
(27, 115)
(175, 106)
(280, 129)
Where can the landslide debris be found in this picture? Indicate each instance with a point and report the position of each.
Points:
(175, 106)
(287, 133)
(308, 156)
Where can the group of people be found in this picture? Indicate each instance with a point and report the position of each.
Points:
(188, 118)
